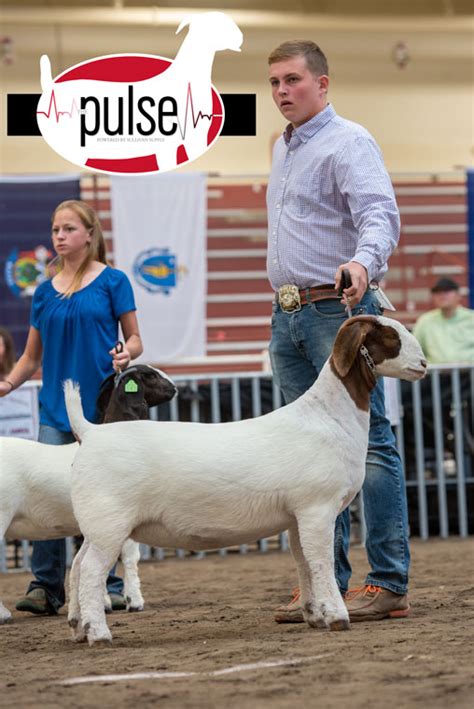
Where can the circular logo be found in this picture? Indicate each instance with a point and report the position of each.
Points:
(156, 270)
(25, 270)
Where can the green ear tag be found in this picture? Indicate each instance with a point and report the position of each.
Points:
(131, 387)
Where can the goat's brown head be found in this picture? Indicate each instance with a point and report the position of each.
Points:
(130, 396)
(367, 346)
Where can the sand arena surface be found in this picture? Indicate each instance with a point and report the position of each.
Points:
(208, 615)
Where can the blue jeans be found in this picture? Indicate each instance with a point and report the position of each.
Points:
(301, 343)
(48, 562)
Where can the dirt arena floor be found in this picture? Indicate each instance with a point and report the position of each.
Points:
(215, 614)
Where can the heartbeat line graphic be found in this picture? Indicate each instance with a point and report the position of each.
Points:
(58, 114)
(189, 112)
(195, 119)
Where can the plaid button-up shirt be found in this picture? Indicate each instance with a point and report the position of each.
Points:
(330, 200)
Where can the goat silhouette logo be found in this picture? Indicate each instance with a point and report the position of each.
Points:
(157, 270)
(139, 113)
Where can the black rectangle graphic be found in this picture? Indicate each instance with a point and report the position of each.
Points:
(240, 114)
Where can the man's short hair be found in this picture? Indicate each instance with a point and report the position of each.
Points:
(314, 56)
(444, 285)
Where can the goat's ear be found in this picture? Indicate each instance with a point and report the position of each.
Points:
(104, 396)
(348, 342)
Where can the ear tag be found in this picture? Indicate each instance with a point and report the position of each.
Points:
(131, 387)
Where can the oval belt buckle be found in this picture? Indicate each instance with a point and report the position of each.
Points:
(289, 298)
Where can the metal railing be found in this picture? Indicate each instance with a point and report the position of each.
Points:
(435, 437)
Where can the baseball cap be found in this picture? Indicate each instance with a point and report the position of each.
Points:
(443, 285)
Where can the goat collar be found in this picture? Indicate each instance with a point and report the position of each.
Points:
(369, 361)
(119, 377)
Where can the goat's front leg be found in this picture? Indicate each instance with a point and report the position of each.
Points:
(130, 559)
(326, 607)
(94, 570)
(74, 611)
(304, 575)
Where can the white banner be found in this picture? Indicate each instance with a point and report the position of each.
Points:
(159, 232)
(19, 416)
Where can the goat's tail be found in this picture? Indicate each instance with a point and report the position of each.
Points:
(72, 395)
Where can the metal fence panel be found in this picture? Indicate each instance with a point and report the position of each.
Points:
(231, 397)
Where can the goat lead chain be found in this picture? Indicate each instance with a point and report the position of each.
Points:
(366, 355)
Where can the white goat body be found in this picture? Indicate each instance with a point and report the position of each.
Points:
(202, 486)
(35, 503)
(35, 478)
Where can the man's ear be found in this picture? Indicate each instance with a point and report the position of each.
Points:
(323, 82)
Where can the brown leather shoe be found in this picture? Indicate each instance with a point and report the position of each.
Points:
(291, 613)
(375, 603)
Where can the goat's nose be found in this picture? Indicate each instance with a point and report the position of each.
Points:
(424, 363)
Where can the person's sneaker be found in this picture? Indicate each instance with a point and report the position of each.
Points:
(117, 601)
(292, 612)
(375, 603)
(36, 601)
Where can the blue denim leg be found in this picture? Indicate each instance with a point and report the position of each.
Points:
(385, 504)
(48, 561)
(301, 343)
(114, 583)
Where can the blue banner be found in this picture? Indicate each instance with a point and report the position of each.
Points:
(26, 206)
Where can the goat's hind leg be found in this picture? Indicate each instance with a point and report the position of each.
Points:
(130, 559)
(94, 570)
(74, 610)
(316, 532)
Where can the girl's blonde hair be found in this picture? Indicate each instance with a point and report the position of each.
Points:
(96, 247)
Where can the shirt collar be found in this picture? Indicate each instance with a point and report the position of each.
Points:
(311, 127)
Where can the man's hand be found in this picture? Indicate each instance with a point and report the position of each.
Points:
(353, 295)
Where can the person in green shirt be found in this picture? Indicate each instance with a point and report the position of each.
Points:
(446, 333)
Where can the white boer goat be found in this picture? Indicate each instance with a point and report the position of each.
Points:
(35, 478)
(205, 486)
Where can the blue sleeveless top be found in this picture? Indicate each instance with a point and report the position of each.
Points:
(77, 334)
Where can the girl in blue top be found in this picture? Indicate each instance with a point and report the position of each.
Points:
(74, 327)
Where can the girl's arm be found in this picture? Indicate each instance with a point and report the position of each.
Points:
(133, 344)
(27, 365)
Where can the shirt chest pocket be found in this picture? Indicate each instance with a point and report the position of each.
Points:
(303, 197)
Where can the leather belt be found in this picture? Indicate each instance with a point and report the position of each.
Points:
(291, 298)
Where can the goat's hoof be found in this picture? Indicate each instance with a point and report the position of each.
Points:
(317, 623)
(7, 619)
(135, 609)
(100, 638)
(77, 631)
(79, 637)
(99, 642)
(340, 625)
